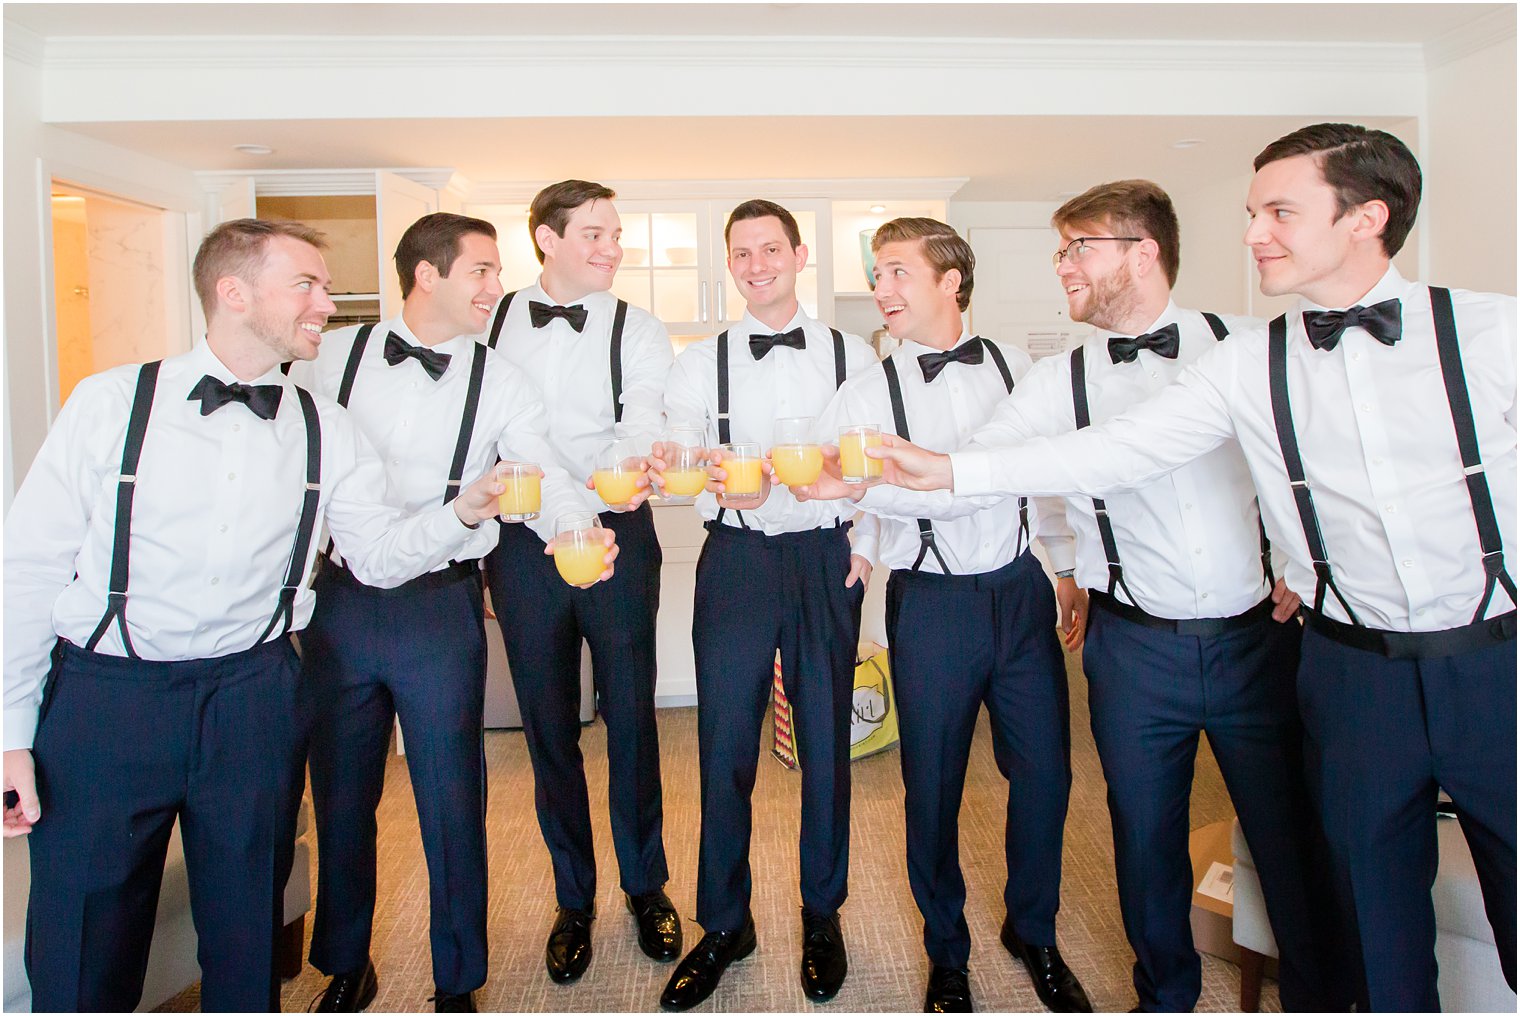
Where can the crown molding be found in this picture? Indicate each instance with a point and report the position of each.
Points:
(509, 192)
(1488, 29)
(160, 53)
(24, 45)
(325, 182)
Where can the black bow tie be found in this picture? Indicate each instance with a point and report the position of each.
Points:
(759, 345)
(932, 363)
(398, 349)
(1162, 342)
(1383, 321)
(542, 313)
(263, 400)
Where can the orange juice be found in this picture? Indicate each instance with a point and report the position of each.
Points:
(580, 556)
(616, 486)
(523, 497)
(854, 463)
(743, 476)
(797, 465)
(685, 482)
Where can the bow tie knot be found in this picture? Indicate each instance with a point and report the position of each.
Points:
(932, 363)
(398, 349)
(1383, 321)
(1164, 341)
(759, 345)
(540, 314)
(262, 400)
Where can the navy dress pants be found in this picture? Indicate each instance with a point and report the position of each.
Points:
(959, 642)
(1152, 692)
(1382, 736)
(756, 594)
(543, 620)
(123, 748)
(370, 656)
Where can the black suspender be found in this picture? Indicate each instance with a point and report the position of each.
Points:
(351, 368)
(724, 430)
(1105, 528)
(1216, 325)
(466, 421)
(500, 318)
(137, 426)
(619, 319)
(927, 544)
(285, 610)
(126, 488)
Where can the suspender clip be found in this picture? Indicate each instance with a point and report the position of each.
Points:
(1493, 562)
(452, 483)
(128, 479)
(1475, 469)
(1101, 511)
(313, 486)
(1298, 483)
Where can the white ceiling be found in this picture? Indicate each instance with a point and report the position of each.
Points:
(1386, 23)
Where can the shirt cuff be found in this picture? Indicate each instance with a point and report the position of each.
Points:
(20, 727)
(1062, 553)
(864, 544)
(971, 473)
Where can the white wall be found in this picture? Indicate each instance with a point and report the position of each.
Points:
(1469, 205)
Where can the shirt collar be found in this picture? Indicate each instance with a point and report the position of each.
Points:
(458, 344)
(202, 359)
(752, 325)
(912, 348)
(1392, 286)
(537, 292)
(1169, 315)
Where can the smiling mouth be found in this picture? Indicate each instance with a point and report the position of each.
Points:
(892, 310)
(1074, 289)
(602, 266)
(484, 308)
(760, 283)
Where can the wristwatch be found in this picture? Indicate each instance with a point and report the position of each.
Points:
(1068, 573)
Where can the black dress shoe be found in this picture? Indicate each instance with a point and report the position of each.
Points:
(659, 925)
(445, 1002)
(949, 990)
(350, 992)
(568, 952)
(1053, 980)
(823, 957)
(697, 975)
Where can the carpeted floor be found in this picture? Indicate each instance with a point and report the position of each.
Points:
(882, 927)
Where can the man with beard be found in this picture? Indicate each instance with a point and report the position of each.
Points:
(174, 691)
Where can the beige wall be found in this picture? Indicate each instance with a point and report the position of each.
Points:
(71, 293)
(1469, 206)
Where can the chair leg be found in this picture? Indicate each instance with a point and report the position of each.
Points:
(289, 943)
(1251, 966)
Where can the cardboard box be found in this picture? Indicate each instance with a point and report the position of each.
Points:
(1213, 914)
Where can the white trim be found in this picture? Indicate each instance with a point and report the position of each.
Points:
(24, 45)
(355, 53)
(1489, 29)
(844, 189)
(325, 182)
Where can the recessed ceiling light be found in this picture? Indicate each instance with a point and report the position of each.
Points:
(878, 209)
(253, 149)
(1187, 143)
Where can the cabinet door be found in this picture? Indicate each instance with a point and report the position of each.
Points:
(1018, 298)
(815, 290)
(399, 202)
(667, 263)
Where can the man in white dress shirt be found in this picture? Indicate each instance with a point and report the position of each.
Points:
(600, 365)
(1378, 422)
(173, 689)
(971, 619)
(437, 405)
(777, 576)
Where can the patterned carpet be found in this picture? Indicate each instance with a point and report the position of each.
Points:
(882, 927)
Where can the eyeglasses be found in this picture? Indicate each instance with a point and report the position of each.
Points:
(1077, 249)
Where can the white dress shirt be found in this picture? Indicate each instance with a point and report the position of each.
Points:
(413, 421)
(974, 538)
(573, 371)
(1378, 445)
(214, 519)
(784, 383)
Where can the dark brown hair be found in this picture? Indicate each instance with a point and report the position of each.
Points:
(940, 244)
(759, 208)
(238, 247)
(435, 239)
(1360, 165)
(1128, 208)
(553, 205)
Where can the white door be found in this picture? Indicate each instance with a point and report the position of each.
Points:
(1017, 297)
(399, 202)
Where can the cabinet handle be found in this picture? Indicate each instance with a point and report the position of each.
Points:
(702, 307)
(722, 300)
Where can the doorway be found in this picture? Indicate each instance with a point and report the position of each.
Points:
(109, 295)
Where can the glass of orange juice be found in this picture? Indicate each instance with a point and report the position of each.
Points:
(796, 457)
(686, 468)
(617, 473)
(523, 498)
(855, 465)
(580, 550)
(741, 461)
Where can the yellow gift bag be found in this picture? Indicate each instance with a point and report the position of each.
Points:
(873, 720)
